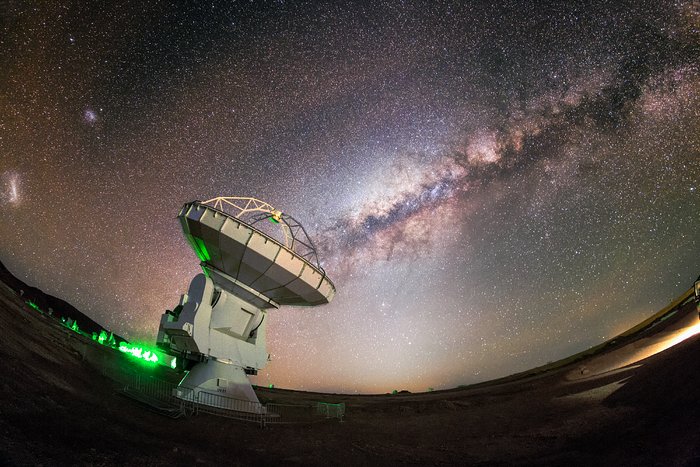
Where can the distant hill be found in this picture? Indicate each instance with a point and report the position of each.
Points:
(49, 304)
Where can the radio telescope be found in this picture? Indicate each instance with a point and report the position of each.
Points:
(255, 258)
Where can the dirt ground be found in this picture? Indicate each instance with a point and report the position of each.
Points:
(59, 409)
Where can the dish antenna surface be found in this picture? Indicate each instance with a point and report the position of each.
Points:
(255, 258)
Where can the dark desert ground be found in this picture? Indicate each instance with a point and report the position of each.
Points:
(60, 408)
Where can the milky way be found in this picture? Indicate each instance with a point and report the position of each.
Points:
(489, 187)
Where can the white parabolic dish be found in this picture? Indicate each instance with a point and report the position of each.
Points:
(230, 248)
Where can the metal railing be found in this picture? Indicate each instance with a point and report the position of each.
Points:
(167, 396)
(289, 413)
(229, 407)
(331, 410)
(161, 394)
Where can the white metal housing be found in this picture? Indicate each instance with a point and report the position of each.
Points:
(221, 321)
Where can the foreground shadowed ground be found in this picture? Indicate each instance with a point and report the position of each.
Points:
(58, 408)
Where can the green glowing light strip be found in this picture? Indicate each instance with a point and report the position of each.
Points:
(147, 355)
(199, 248)
(138, 352)
(141, 353)
(205, 254)
(193, 244)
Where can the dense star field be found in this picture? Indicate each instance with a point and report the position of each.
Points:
(490, 187)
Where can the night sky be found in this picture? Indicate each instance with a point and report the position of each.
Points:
(490, 187)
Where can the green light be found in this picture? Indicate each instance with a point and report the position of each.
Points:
(146, 355)
(138, 352)
(102, 337)
(201, 249)
(273, 220)
(33, 305)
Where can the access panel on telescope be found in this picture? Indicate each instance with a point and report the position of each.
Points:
(251, 262)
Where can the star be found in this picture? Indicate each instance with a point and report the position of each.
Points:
(497, 182)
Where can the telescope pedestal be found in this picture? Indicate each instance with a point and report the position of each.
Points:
(220, 384)
(225, 335)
